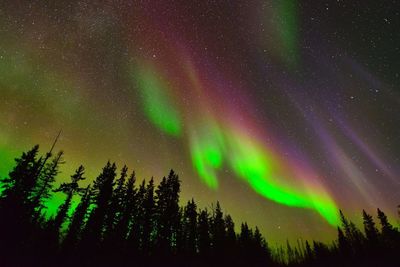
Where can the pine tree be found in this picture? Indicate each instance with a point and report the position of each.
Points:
(370, 229)
(245, 235)
(73, 234)
(353, 234)
(190, 227)
(218, 229)
(261, 251)
(308, 254)
(167, 212)
(163, 225)
(343, 244)
(129, 205)
(230, 231)
(230, 246)
(136, 227)
(148, 224)
(173, 209)
(44, 185)
(290, 253)
(390, 235)
(345, 223)
(102, 193)
(15, 202)
(259, 240)
(114, 213)
(18, 187)
(387, 228)
(70, 189)
(204, 242)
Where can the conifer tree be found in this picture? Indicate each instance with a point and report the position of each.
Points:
(353, 234)
(390, 235)
(204, 233)
(163, 225)
(114, 212)
(44, 185)
(308, 254)
(218, 229)
(73, 234)
(343, 243)
(245, 235)
(387, 228)
(102, 193)
(190, 227)
(15, 201)
(129, 205)
(148, 224)
(136, 228)
(70, 189)
(173, 209)
(18, 187)
(230, 231)
(370, 229)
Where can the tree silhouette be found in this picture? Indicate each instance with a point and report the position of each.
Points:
(102, 193)
(75, 228)
(128, 207)
(218, 229)
(204, 242)
(114, 211)
(44, 185)
(15, 203)
(370, 229)
(190, 227)
(70, 189)
(117, 224)
(148, 219)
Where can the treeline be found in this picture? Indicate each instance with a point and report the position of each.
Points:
(118, 222)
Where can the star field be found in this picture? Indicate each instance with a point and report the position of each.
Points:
(284, 111)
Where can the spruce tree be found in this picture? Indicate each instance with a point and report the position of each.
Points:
(204, 241)
(136, 227)
(390, 235)
(114, 212)
(102, 193)
(344, 245)
(370, 229)
(230, 231)
(387, 228)
(44, 185)
(190, 227)
(76, 226)
(129, 206)
(148, 223)
(16, 202)
(163, 224)
(70, 189)
(218, 229)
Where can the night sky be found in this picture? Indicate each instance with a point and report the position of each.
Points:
(284, 111)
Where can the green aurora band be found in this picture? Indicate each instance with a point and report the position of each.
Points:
(157, 104)
(213, 143)
(255, 166)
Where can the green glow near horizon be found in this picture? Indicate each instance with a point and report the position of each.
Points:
(6, 164)
(251, 163)
(157, 104)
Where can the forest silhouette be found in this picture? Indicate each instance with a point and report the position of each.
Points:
(120, 223)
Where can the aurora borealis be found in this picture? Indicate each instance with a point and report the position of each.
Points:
(284, 111)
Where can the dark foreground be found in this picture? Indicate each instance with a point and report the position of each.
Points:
(119, 223)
